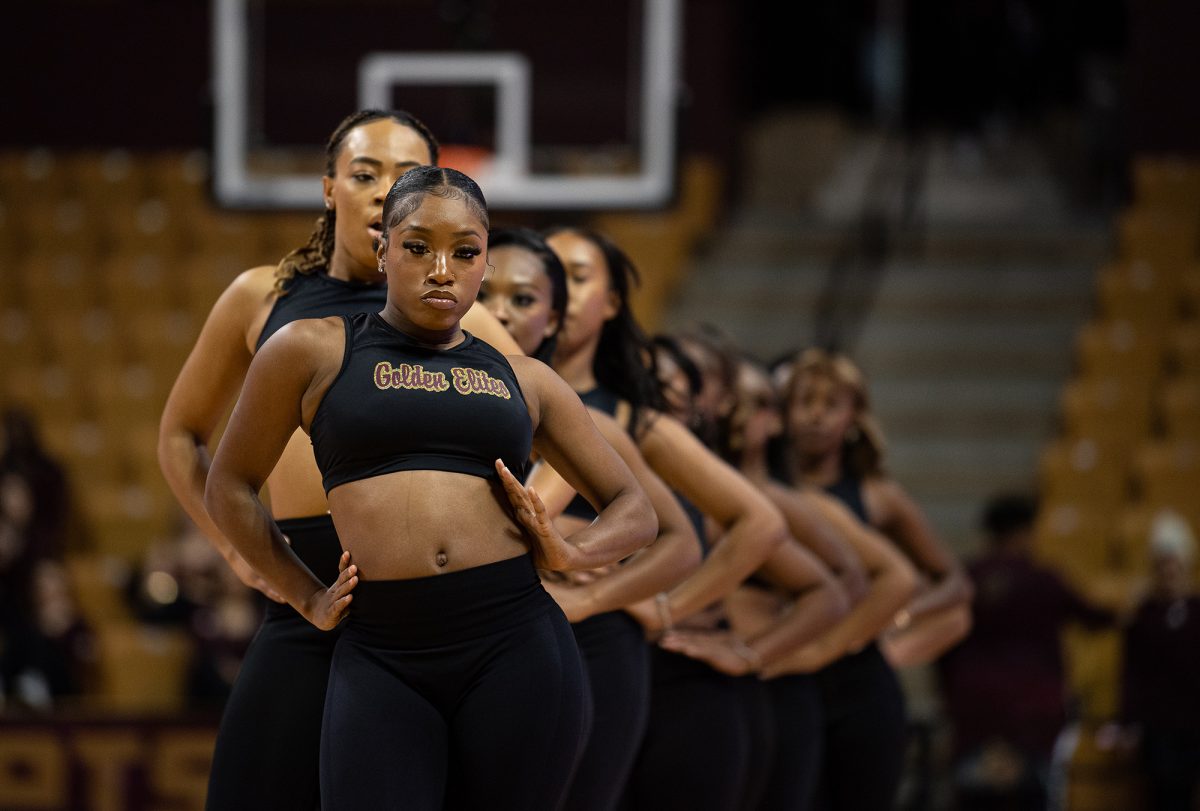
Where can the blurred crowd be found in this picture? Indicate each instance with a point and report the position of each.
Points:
(48, 653)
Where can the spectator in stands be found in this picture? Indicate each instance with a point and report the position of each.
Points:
(184, 582)
(1004, 684)
(45, 647)
(1161, 684)
(22, 454)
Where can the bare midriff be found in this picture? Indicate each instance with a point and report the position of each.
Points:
(424, 522)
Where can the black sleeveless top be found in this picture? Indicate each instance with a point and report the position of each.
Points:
(607, 401)
(397, 404)
(316, 295)
(848, 490)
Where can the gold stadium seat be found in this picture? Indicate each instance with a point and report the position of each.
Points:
(132, 281)
(1171, 184)
(127, 394)
(161, 338)
(89, 451)
(179, 177)
(125, 517)
(1120, 349)
(105, 178)
(1085, 471)
(59, 282)
(1183, 350)
(1158, 236)
(1109, 411)
(1179, 407)
(1144, 294)
(98, 583)
(1102, 779)
(1167, 474)
(148, 224)
(48, 390)
(83, 342)
(1189, 293)
(1074, 538)
(1131, 539)
(1093, 660)
(142, 668)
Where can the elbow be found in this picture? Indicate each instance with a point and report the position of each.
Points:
(218, 497)
(763, 534)
(688, 555)
(966, 591)
(838, 599)
(646, 522)
(906, 581)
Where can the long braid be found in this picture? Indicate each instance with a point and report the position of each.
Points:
(315, 254)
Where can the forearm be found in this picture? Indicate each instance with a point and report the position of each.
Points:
(241, 517)
(184, 460)
(928, 637)
(749, 542)
(810, 614)
(624, 526)
(656, 568)
(875, 612)
(951, 590)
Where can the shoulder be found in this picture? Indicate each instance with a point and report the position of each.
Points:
(247, 298)
(539, 383)
(307, 338)
(255, 286)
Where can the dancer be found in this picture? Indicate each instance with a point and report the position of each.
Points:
(456, 682)
(526, 290)
(267, 747)
(603, 353)
(794, 692)
(836, 444)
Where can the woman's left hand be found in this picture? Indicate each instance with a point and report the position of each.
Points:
(550, 550)
(717, 649)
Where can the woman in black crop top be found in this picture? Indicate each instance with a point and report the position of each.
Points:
(834, 444)
(794, 695)
(284, 675)
(602, 347)
(455, 681)
(526, 290)
(837, 445)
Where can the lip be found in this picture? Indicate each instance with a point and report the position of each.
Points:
(375, 229)
(441, 299)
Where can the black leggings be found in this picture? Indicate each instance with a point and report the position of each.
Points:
(696, 752)
(457, 691)
(617, 661)
(796, 707)
(268, 745)
(862, 760)
(759, 717)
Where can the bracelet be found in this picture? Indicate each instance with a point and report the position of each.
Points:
(663, 602)
(752, 657)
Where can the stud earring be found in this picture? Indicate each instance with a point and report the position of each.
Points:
(381, 270)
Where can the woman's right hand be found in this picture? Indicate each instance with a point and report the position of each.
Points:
(327, 607)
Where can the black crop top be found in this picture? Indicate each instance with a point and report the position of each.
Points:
(848, 490)
(399, 405)
(604, 400)
(316, 295)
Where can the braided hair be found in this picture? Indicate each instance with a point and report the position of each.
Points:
(315, 254)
